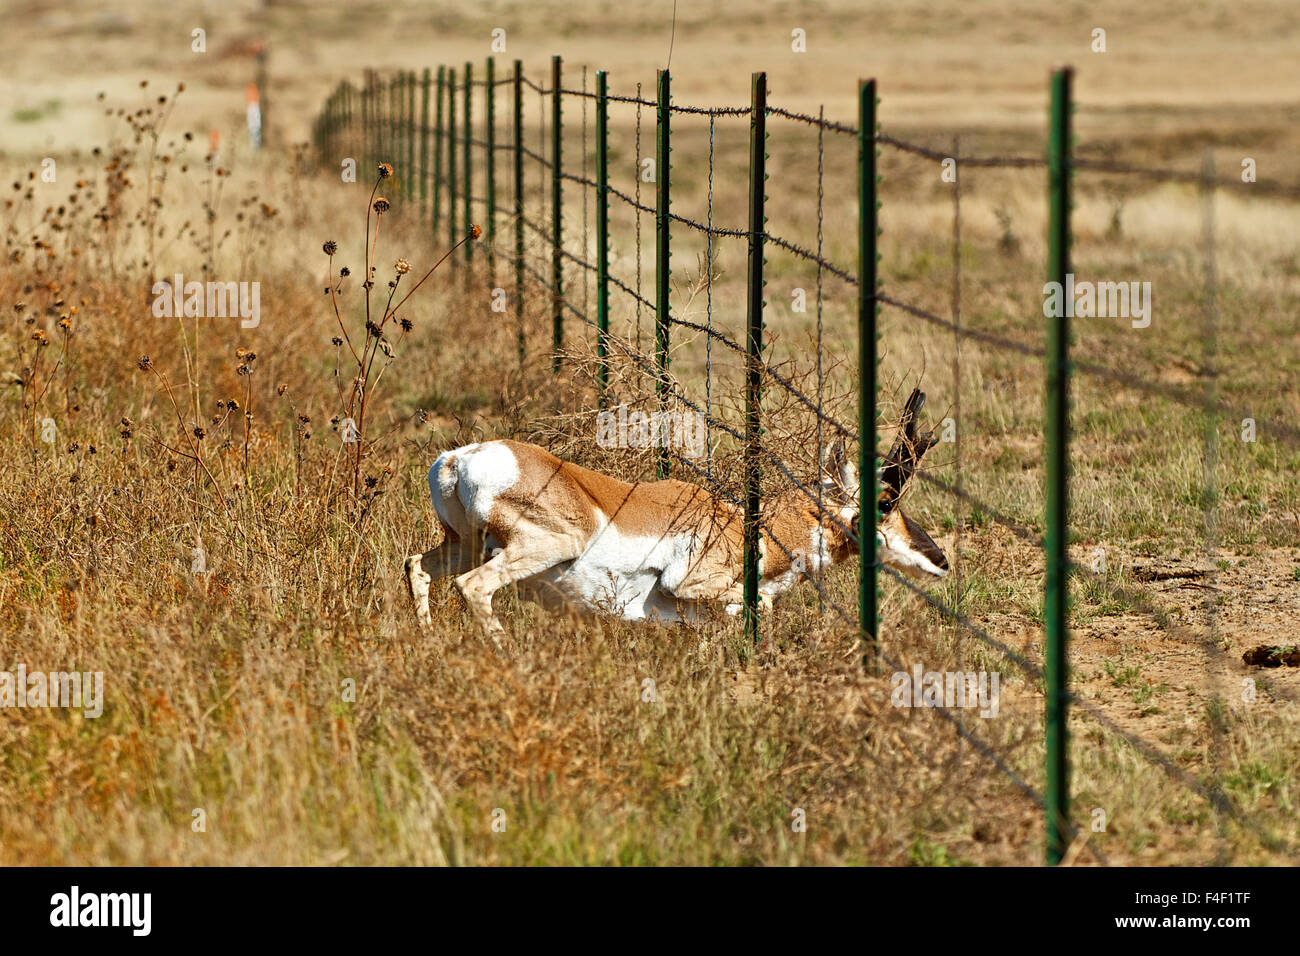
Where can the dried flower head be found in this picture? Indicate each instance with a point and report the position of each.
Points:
(382, 205)
(144, 364)
(402, 267)
(345, 271)
(385, 171)
(407, 325)
(330, 247)
(475, 231)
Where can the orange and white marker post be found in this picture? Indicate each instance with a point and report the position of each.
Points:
(254, 118)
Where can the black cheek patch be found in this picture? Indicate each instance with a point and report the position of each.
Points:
(923, 543)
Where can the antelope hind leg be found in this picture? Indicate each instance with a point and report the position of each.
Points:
(508, 566)
(451, 557)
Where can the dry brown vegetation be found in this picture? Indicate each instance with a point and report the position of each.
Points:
(226, 690)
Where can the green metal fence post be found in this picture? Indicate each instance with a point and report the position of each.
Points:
(330, 120)
(868, 360)
(754, 347)
(424, 144)
(1056, 428)
(519, 204)
(345, 116)
(438, 131)
(365, 127)
(468, 147)
(490, 156)
(373, 139)
(376, 123)
(377, 118)
(602, 237)
(390, 130)
(557, 219)
(663, 250)
(412, 176)
(451, 160)
(395, 156)
(321, 127)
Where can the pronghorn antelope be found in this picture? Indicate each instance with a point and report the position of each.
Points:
(513, 513)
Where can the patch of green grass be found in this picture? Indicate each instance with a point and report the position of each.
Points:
(923, 852)
(1216, 714)
(1121, 676)
(34, 114)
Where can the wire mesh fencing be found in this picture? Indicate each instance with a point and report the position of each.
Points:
(588, 269)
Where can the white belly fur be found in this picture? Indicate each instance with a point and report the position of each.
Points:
(621, 574)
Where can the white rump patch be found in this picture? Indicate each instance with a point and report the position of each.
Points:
(466, 482)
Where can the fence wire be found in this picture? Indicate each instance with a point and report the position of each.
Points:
(341, 118)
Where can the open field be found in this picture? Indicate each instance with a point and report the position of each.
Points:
(227, 691)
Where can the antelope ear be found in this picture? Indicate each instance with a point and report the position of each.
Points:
(833, 459)
(909, 446)
(848, 477)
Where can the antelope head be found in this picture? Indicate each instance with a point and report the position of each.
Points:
(901, 542)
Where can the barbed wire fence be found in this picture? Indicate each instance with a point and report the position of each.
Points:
(380, 124)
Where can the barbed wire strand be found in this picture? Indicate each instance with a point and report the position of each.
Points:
(1208, 792)
(1209, 401)
(984, 749)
